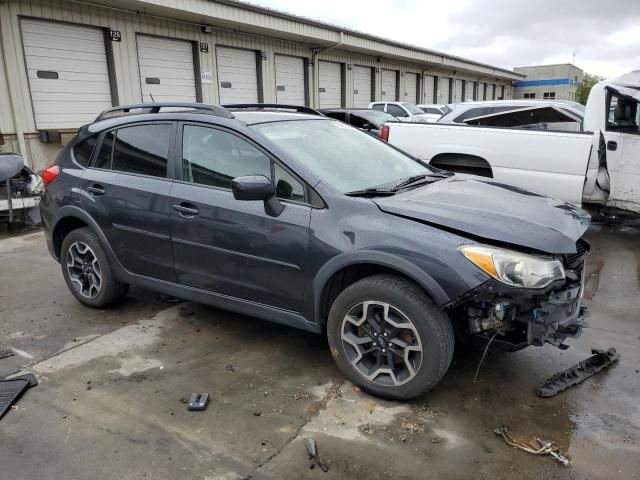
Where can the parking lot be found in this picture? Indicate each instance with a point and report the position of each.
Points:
(112, 386)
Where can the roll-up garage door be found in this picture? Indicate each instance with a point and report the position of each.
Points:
(457, 91)
(67, 71)
(469, 91)
(237, 75)
(491, 94)
(389, 85)
(501, 94)
(330, 84)
(166, 69)
(290, 80)
(362, 80)
(429, 88)
(443, 90)
(482, 93)
(411, 87)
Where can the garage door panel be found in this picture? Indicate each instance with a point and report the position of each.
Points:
(443, 89)
(78, 55)
(330, 84)
(185, 75)
(72, 97)
(411, 87)
(362, 79)
(171, 62)
(70, 65)
(428, 86)
(73, 106)
(389, 85)
(290, 80)
(238, 69)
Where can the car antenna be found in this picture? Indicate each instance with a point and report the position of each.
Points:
(152, 99)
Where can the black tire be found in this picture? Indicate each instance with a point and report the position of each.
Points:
(111, 290)
(432, 325)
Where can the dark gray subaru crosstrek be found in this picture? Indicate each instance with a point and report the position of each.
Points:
(303, 220)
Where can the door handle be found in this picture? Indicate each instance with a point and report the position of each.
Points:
(96, 190)
(186, 210)
(611, 145)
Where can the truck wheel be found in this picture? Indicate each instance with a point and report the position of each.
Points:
(389, 338)
(87, 272)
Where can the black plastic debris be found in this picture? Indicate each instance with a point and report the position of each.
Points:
(12, 388)
(312, 451)
(198, 401)
(600, 360)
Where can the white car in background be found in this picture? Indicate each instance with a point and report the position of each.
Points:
(435, 109)
(596, 162)
(404, 111)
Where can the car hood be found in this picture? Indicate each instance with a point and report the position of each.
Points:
(493, 211)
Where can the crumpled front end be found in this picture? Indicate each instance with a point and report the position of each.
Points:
(522, 317)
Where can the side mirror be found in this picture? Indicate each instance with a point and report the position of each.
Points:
(257, 187)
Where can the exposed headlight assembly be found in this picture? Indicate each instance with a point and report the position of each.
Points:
(514, 268)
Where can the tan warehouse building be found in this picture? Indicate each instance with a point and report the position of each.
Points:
(64, 61)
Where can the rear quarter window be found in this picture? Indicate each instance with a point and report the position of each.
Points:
(82, 151)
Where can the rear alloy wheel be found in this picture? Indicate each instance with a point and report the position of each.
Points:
(87, 271)
(389, 338)
(84, 270)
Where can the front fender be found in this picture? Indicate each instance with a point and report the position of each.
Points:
(337, 263)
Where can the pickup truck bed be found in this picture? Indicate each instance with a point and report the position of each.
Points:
(549, 162)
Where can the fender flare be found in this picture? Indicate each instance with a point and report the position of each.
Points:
(422, 278)
(76, 212)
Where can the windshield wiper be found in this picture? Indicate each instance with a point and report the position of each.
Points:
(416, 178)
(371, 192)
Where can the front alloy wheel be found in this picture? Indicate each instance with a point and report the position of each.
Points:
(381, 343)
(84, 270)
(389, 338)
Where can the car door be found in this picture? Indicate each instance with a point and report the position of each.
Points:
(126, 190)
(398, 112)
(233, 247)
(622, 143)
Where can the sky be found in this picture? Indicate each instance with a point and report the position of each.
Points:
(603, 35)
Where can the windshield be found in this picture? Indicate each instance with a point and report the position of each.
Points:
(345, 157)
(412, 108)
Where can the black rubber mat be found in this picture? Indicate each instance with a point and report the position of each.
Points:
(10, 390)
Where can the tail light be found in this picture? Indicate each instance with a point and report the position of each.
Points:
(49, 174)
(384, 133)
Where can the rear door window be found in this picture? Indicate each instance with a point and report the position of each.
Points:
(82, 152)
(142, 149)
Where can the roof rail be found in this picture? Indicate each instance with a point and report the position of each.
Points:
(155, 107)
(259, 106)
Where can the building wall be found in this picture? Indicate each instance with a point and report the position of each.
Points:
(562, 80)
(17, 122)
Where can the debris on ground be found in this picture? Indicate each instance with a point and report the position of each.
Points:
(296, 396)
(543, 447)
(229, 368)
(12, 388)
(312, 451)
(334, 392)
(169, 299)
(6, 353)
(600, 360)
(198, 401)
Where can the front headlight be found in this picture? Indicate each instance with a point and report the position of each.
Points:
(514, 268)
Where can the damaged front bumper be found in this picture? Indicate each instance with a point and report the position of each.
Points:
(523, 317)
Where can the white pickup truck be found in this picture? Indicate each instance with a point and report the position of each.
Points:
(598, 165)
